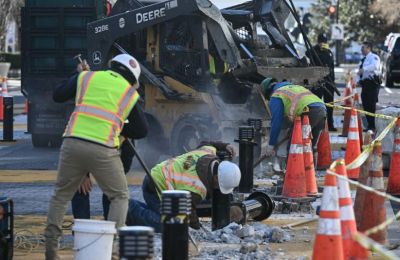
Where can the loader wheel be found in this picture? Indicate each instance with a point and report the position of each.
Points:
(189, 131)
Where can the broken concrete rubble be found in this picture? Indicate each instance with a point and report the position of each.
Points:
(257, 233)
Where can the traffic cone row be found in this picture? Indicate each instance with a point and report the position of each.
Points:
(353, 145)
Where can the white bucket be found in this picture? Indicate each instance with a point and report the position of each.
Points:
(93, 239)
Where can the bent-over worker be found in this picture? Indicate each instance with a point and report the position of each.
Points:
(198, 172)
(286, 102)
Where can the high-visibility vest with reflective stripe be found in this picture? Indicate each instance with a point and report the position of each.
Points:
(103, 101)
(295, 99)
(179, 173)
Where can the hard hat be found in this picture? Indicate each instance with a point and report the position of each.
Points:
(322, 38)
(130, 63)
(228, 176)
(266, 86)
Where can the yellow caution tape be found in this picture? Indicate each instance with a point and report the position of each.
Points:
(374, 247)
(360, 111)
(368, 148)
(340, 100)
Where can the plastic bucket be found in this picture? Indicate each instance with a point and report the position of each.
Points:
(93, 239)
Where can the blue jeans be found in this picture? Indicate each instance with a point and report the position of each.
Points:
(81, 204)
(145, 214)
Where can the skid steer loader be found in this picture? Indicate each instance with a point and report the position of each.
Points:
(201, 66)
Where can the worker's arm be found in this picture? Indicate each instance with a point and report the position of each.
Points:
(220, 146)
(138, 126)
(277, 111)
(66, 89)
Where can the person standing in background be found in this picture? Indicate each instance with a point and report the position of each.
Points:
(369, 81)
(323, 56)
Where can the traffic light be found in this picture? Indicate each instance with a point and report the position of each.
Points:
(332, 11)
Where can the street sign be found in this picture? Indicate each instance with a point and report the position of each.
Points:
(337, 31)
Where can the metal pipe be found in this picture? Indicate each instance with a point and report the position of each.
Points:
(258, 206)
(136, 243)
(175, 209)
(246, 158)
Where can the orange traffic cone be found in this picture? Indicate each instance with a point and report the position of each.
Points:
(363, 177)
(393, 186)
(351, 248)
(347, 103)
(294, 185)
(328, 241)
(311, 182)
(360, 131)
(374, 211)
(353, 145)
(324, 159)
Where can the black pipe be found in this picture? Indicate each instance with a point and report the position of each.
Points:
(246, 158)
(257, 125)
(8, 120)
(175, 209)
(220, 211)
(136, 243)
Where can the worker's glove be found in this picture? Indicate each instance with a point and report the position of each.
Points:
(236, 214)
(231, 150)
(270, 151)
(194, 221)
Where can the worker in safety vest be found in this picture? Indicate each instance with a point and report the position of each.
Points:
(198, 171)
(104, 100)
(286, 102)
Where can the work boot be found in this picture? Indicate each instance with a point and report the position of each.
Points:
(332, 129)
(52, 236)
(51, 249)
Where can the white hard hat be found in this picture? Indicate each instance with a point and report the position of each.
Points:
(228, 176)
(130, 63)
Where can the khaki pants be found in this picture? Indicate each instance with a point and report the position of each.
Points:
(78, 157)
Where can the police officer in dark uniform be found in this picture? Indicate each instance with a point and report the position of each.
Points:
(323, 56)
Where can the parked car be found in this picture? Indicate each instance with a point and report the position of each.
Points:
(390, 60)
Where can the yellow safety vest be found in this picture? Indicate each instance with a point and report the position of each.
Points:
(295, 99)
(103, 101)
(180, 173)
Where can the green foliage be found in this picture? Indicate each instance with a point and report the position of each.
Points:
(361, 23)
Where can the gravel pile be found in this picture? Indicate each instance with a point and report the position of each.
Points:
(256, 233)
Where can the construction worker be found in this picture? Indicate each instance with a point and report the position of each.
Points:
(369, 80)
(323, 56)
(103, 101)
(198, 171)
(286, 102)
